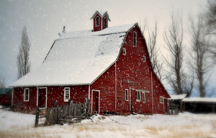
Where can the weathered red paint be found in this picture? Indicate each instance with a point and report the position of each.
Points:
(128, 72)
(97, 27)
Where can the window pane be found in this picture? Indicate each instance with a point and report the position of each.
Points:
(26, 94)
(66, 94)
(138, 95)
(126, 94)
(134, 39)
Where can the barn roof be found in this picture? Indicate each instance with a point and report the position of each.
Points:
(200, 100)
(4, 91)
(178, 97)
(78, 58)
(101, 13)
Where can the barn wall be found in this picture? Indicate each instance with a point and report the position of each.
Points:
(106, 85)
(18, 99)
(134, 74)
(158, 90)
(77, 94)
(97, 28)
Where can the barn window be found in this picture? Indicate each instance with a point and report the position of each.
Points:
(66, 94)
(105, 22)
(144, 59)
(124, 51)
(134, 38)
(161, 99)
(97, 21)
(26, 95)
(138, 95)
(143, 97)
(126, 94)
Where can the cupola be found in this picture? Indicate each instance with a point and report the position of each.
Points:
(100, 20)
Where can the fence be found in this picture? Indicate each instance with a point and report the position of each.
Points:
(72, 112)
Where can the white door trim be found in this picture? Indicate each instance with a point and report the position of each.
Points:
(37, 95)
(98, 100)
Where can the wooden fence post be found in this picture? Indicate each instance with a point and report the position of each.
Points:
(37, 117)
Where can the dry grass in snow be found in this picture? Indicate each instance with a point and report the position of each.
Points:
(18, 125)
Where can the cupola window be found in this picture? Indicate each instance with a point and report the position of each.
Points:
(97, 21)
(105, 22)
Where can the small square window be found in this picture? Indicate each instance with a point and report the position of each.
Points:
(126, 94)
(26, 95)
(124, 51)
(138, 96)
(66, 94)
(143, 97)
(144, 59)
(161, 99)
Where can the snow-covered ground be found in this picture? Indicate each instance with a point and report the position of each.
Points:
(13, 124)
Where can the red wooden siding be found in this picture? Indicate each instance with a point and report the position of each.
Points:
(159, 91)
(77, 94)
(106, 85)
(105, 26)
(134, 74)
(97, 28)
(18, 99)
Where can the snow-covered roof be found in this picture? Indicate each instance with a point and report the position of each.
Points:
(199, 99)
(178, 97)
(101, 13)
(78, 58)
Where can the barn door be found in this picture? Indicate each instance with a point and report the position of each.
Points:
(95, 104)
(42, 97)
(132, 99)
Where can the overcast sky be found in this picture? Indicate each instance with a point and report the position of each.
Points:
(45, 19)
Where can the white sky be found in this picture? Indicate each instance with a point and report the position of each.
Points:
(45, 19)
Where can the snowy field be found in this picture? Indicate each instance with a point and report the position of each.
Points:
(13, 124)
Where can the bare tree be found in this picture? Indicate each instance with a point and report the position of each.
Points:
(23, 56)
(176, 77)
(200, 48)
(210, 16)
(210, 21)
(152, 49)
(2, 82)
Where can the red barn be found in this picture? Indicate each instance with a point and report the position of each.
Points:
(108, 65)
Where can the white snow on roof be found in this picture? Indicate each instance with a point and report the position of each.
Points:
(199, 99)
(78, 58)
(178, 97)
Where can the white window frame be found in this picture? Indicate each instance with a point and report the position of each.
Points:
(126, 95)
(134, 39)
(66, 100)
(138, 92)
(143, 99)
(24, 95)
(124, 51)
(96, 21)
(161, 99)
(144, 58)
